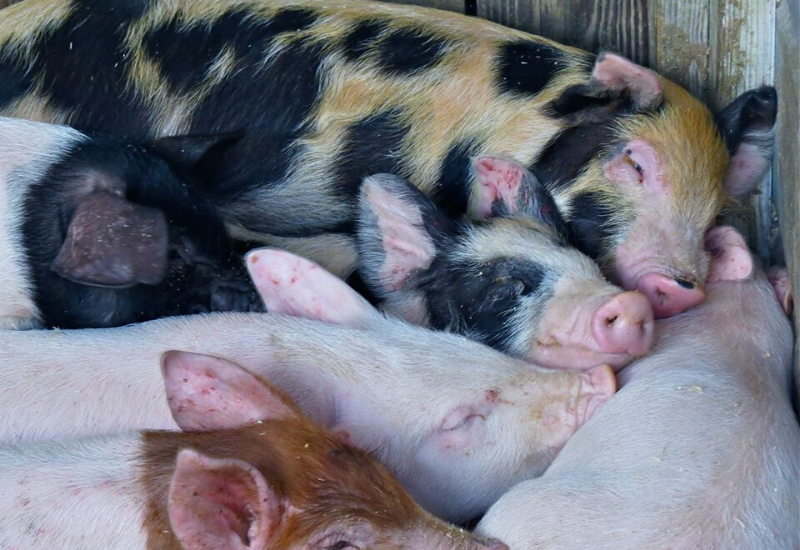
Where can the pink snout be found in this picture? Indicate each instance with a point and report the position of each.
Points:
(624, 324)
(669, 296)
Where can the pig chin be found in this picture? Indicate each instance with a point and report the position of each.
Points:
(559, 356)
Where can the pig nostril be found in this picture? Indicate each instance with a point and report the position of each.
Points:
(610, 320)
(685, 284)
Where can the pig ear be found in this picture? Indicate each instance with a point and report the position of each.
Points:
(114, 243)
(747, 125)
(398, 230)
(292, 285)
(466, 423)
(730, 258)
(615, 82)
(781, 284)
(507, 187)
(187, 151)
(209, 393)
(221, 503)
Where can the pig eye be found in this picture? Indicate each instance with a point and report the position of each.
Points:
(636, 166)
(340, 545)
(518, 286)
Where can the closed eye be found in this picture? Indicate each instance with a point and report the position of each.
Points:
(636, 166)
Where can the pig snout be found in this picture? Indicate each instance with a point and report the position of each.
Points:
(669, 296)
(624, 324)
(598, 385)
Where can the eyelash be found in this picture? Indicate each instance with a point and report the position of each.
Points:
(636, 165)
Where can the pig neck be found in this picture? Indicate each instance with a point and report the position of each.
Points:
(66, 495)
(738, 330)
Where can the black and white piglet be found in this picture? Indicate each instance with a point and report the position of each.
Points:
(96, 232)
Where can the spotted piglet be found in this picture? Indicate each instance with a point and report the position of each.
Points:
(511, 280)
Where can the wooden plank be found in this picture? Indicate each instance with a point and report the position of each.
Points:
(621, 26)
(787, 165)
(519, 14)
(616, 25)
(450, 5)
(679, 42)
(743, 57)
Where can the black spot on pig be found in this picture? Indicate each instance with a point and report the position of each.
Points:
(591, 226)
(76, 61)
(15, 80)
(371, 146)
(277, 98)
(359, 41)
(525, 67)
(203, 271)
(238, 30)
(453, 191)
(407, 51)
(569, 152)
(471, 298)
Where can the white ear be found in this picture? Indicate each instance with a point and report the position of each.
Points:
(782, 285)
(730, 258)
(292, 285)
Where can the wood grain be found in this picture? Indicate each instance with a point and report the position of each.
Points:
(616, 25)
(679, 41)
(742, 40)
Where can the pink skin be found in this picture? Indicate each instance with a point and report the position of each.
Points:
(650, 259)
(500, 181)
(582, 331)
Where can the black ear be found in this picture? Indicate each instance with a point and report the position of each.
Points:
(114, 243)
(615, 84)
(507, 187)
(187, 151)
(747, 126)
(399, 231)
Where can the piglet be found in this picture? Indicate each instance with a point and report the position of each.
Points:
(510, 280)
(456, 421)
(699, 449)
(100, 232)
(249, 471)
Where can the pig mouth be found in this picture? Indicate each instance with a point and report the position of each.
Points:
(575, 357)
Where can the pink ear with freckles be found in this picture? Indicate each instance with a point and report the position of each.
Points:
(501, 182)
(615, 73)
(730, 258)
(291, 285)
(210, 393)
(221, 503)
